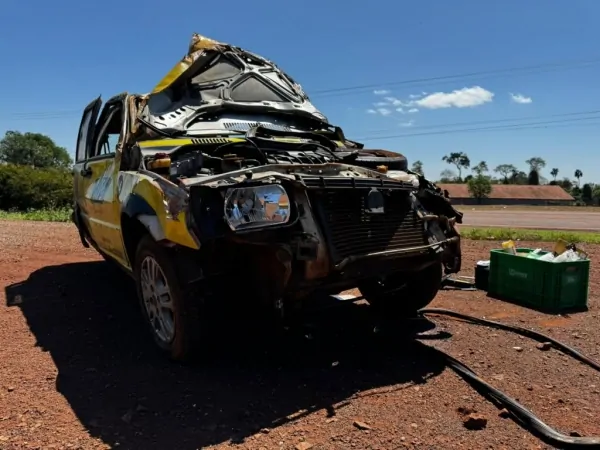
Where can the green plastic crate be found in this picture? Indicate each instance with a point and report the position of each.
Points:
(544, 285)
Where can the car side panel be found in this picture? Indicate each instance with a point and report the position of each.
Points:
(101, 209)
(166, 226)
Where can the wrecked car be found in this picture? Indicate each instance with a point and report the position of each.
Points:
(226, 186)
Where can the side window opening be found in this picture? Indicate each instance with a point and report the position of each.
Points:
(81, 153)
(108, 134)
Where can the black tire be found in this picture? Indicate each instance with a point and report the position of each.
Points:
(188, 320)
(419, 291)
(392, 163)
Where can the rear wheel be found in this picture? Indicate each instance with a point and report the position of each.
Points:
(402, 295)
(173, 312)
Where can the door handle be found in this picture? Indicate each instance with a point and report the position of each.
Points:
(86, 172)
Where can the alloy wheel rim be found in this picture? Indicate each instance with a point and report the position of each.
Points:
(158, 300)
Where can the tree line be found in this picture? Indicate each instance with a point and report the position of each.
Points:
(481, 179)
(36, 173)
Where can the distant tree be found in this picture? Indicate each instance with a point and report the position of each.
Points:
(33, 150)
(468, 178)
(480, 168)
(554, 173)
(518, 177)
(596, 194)
(417, 167)
(566, 184)
(578, 174)
(479, 187)
(587, 193)
(533, 179)
(536, 163)
(505, 170)
(458, 159)
(447, 176)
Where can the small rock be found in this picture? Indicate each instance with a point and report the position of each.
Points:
(518, 349)
(530, 388)
(576, 336)
(265, 430)
(414, 425)
(465, 411)
(548, 386)
(331, 419)
(10, 388)
(475, 422)
(127, 416)
(504, 413)
(304, 446)
(361, 425)
(544, 346)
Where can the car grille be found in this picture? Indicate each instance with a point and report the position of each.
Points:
(352, 231)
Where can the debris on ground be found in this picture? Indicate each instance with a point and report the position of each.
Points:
(361, 425)
(544, 346)
(504, 413)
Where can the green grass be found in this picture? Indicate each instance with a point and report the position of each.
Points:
(533, 208)
(502, 234)
(476, 234)
(41, 215)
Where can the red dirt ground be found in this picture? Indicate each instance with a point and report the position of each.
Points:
(77, 369)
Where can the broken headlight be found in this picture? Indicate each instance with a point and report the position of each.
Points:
(255, 207)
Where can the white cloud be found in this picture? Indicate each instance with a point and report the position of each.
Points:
(407, 111)
(459, 98)
(466, 97)
(381, 92)
(410, 123)
(394, 101)
(521, 99)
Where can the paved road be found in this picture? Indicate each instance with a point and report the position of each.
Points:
(553, 220)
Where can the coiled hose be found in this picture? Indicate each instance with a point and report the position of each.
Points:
(522, 415)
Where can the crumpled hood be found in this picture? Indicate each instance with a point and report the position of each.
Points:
(216, 79)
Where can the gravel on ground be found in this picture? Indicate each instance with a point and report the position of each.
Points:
(78, 370)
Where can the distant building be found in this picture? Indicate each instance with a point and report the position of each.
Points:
(511, 194)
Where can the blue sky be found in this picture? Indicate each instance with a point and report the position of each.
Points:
(57, 56)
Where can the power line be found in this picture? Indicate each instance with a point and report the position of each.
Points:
(498, 73)
(485, 122)
(41, 115)
(548, 67)
(525, 126)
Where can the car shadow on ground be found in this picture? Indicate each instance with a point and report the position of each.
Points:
(124, 392)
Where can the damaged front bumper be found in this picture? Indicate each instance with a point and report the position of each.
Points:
(325, 224)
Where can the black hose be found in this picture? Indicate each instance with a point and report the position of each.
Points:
(524, 416)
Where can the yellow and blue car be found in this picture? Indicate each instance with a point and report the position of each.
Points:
(225, 188)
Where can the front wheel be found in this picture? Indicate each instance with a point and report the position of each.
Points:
(402, 295)
(172, 312)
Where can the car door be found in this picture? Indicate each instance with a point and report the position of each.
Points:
(97, 186)
(82, 174)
